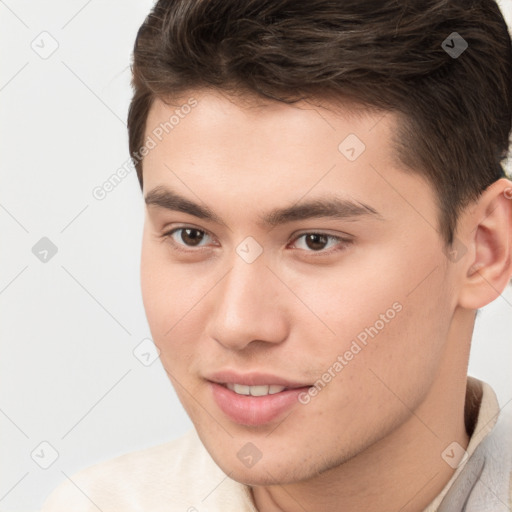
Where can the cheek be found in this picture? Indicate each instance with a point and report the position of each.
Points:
(403, 350)
(172, 295)
(161, 289)
(381, 319)
(154, 286)
(360, 304)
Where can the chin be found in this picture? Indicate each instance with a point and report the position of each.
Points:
(265, 475)
(270, 470)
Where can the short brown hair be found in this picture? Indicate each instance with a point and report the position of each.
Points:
(455, 111)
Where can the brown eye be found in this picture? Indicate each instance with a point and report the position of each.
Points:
(316, 241)
(321, 243)
(191, 236)
(186, 237)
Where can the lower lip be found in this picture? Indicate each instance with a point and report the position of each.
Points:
(254, 410)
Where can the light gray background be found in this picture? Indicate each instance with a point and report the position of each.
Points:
(69, 326)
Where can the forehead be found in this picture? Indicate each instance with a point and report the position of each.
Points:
(258, 153)
(272, 124)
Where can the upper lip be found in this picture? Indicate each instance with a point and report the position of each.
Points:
(252, 379)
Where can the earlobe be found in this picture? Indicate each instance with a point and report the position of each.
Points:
(491, 235)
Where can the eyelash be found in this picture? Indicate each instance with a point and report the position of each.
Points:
(180, 247)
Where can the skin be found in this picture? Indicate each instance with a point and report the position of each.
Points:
(372, 438)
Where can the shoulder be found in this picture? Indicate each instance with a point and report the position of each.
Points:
(498, 451)
(495, 452)
(169, 476)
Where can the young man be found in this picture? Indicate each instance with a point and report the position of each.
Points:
(326, 211)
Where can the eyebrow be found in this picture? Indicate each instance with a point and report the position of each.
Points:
(334, 207)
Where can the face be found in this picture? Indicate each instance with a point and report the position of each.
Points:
(290, 277)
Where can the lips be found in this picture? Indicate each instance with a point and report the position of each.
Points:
(254, 399)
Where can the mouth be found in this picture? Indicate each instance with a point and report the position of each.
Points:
(254, 399)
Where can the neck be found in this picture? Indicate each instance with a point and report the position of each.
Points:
(403, 471)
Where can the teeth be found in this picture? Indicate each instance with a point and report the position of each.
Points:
(274, 388)
(258, 390)
(239, 389)
(242, 389)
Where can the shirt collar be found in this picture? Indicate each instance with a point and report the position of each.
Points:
(481, 414)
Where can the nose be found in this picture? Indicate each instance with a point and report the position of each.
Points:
(247, 307)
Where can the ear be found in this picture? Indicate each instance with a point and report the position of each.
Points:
(489, 234)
